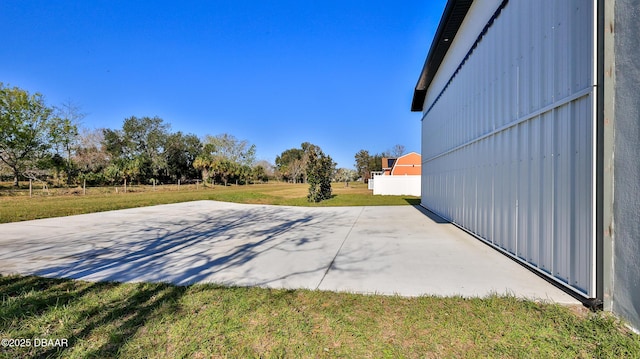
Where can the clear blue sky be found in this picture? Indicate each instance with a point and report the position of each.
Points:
(336, 73)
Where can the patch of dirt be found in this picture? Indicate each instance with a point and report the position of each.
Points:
(579, 310)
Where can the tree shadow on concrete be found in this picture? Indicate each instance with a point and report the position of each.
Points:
(181, 251)
(188, 251)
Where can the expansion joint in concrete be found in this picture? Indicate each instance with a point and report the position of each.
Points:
(340, 248)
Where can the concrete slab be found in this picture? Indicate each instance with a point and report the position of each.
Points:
(386, 250)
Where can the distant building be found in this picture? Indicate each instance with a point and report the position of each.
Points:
(409, 164)
(531, 137)
(387, 165)
(399, 176)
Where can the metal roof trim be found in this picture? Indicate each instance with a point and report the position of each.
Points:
(454, 13)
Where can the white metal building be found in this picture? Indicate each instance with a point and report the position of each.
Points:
(519, 102)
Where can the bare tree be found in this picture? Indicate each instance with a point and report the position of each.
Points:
(395, 152)
(296, 169)
(91, 157)
(64, 133)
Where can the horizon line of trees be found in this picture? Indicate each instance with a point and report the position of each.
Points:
(47, 143)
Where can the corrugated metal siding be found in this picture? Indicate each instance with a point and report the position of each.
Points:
(508, 146)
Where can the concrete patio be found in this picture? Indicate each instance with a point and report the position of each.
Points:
(387, 250)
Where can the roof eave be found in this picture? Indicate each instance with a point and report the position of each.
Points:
(452, 17)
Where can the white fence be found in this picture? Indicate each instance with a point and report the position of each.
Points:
(373, 174)
(397, 185)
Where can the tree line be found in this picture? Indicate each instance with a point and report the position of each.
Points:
(44, 143)
(47, 143)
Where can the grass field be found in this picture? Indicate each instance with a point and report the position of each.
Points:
(104, 320)
(17, 205)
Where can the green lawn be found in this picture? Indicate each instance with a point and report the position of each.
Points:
(105, 320)
(17, 205)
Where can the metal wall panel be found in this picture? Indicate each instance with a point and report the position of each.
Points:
(508, 146)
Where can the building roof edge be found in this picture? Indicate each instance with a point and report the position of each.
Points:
(452, 17)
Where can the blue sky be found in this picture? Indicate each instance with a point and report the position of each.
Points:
(339, 74)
